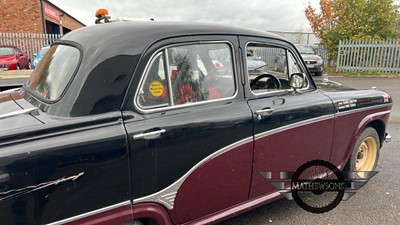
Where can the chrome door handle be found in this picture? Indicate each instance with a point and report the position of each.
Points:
(4, 177)
(149, 135)
(265, 112)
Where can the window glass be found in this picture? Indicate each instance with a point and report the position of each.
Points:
(55, 70)
(155, 88)
(196, 72)
(294, 66)
(269, 67)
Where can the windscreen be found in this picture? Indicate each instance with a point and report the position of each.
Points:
(53, 73)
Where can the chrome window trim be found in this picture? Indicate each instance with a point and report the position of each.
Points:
(91, 213)
(164, 50)
(287, 50)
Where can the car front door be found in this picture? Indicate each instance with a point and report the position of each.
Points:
(291, 127)
(190, 129)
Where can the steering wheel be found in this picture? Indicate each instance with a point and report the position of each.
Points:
(272, 82)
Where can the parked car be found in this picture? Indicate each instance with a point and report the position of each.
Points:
(314, 62)
(105, 132)
(39, 55)
(12, 58)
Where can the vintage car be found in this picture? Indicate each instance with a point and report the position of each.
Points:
(131, 123)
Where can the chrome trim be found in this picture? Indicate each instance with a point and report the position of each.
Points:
(235, 75)
(168, 70)
(265, 112)
(149, 135)
(388, 137)
(351, 111)
(293, 125)
(166, 197)
(81, 216)
(33, 111)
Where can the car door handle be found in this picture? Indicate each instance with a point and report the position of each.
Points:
(4, 177)
(265, 112)
(149, 135)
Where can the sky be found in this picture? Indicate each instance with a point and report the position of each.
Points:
(270, 15)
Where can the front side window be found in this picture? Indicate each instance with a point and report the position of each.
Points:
(53, 73)
(188, 74)
(269, 67)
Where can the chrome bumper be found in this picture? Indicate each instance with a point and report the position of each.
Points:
(388, 138)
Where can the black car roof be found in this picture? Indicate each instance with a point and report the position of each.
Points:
(155, 30)
(110, 53)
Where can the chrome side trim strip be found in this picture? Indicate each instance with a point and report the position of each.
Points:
(361, 109)
(294, 125)
(33, 111)
(105, 209)
(166, 197)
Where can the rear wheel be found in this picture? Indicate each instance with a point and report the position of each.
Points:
(365, 154)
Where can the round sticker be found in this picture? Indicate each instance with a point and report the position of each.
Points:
(156, 88)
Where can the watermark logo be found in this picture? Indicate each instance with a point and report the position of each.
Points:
(318, 186)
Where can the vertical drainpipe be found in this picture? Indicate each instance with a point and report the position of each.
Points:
(43, 18)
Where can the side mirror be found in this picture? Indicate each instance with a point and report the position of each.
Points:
(297, 81)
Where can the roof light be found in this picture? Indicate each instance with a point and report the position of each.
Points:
(101, 12)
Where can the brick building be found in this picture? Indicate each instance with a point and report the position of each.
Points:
(35, 16)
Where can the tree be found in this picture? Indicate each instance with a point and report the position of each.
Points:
(352, 19)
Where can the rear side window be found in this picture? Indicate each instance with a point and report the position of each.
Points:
(54, 72)
(188, 74)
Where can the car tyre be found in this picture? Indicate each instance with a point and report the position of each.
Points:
(18, 67)
(365, 154)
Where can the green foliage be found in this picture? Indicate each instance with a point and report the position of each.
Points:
(353, 19)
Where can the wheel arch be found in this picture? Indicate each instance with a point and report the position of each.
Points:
(377, 121)
(155, 213)
(380, 128)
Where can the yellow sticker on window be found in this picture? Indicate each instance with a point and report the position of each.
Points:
(156, 88)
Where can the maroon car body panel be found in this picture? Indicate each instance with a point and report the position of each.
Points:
(213, 188)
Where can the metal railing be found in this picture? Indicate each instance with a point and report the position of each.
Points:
(28, 42)
(381, 56)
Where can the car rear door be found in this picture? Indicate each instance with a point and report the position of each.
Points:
(290, 127)
(189, 128)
